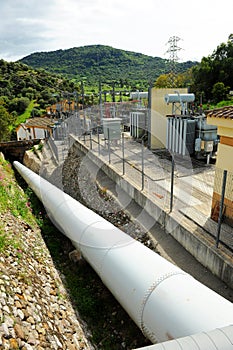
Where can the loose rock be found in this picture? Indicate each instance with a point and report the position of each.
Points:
(29, 305)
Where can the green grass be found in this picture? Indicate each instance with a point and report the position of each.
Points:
(12, 198)
(3, 240)
(8, 239)
(15, 202)
(218, 105)
(24, 116)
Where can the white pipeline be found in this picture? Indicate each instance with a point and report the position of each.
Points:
(165, 302)
(217, 339)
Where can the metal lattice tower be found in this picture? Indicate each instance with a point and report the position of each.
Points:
(173, 59)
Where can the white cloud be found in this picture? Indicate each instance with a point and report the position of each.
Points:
(145, 26)
(22, 26)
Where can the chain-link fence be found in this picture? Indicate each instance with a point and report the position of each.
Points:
(177, 182)
(222, 203)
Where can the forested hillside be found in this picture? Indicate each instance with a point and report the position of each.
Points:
(21, 87)
(98, 62)
(19, 81)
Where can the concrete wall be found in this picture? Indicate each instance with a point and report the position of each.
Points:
(187, 233)
(225, 153)
(39, 133)
(159, 110)
(33, 133)
(22, 134)
(224, 162)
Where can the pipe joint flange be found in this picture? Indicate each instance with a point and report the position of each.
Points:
(145, 330)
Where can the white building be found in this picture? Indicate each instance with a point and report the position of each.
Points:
(35, 128)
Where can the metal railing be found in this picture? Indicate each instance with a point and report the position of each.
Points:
(171, 172)
(116, 155)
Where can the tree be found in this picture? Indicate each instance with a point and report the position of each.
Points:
(214, 69)
(219, 92)
(162, 81)
(19, 104)
(181, 80)
(5, 122)
(36, 112)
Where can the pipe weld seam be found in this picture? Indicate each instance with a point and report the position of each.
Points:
(226, 335)
(149, 291)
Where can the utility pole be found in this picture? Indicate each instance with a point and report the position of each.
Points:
(113, 91)
(100, 100)
(82, 92)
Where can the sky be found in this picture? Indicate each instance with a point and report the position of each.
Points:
(143, 26)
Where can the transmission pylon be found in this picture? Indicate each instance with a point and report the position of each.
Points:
(173, 59)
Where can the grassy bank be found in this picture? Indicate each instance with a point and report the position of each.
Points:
(27, 114)
(13, 199)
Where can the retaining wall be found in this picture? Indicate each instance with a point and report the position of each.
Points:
(192, 237)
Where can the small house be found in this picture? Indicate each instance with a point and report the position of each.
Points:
(35, 128)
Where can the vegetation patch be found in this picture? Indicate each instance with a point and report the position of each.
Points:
(26, 92)
(13, 198)
(3, 240)
(14, 202)
(26, 115)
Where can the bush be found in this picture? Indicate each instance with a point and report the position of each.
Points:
(5, 122)
(35, 112)
(19, 104)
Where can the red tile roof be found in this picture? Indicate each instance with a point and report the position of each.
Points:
(224, 112)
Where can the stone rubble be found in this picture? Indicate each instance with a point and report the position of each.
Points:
(35, 310)
(80, 180)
